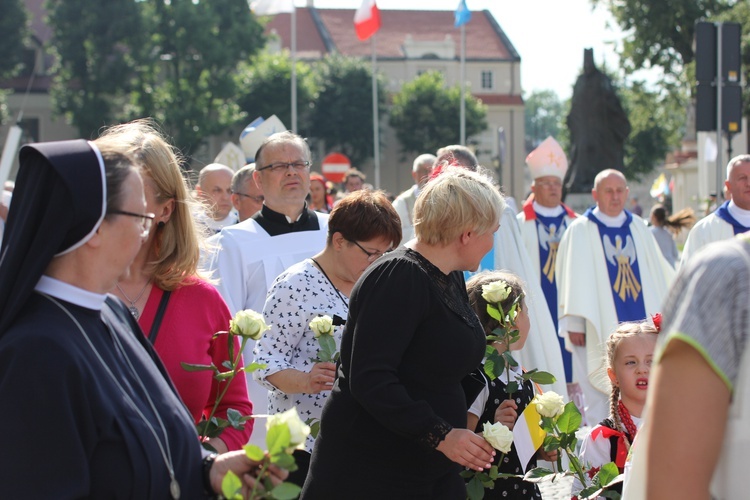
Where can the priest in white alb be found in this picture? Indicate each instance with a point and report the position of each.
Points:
(609, 270)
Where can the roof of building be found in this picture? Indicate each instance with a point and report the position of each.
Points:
(326, 30)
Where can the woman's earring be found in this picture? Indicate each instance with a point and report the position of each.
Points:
(161, 224)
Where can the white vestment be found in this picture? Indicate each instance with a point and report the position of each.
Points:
(245, 260)
(531, 238)
(542, 350)
(709, 229)
(584, 290)
(404, 206)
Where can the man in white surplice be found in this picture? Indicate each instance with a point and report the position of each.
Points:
(609, 269)
(245, 258)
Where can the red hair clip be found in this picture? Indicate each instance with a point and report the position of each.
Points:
(656, 320)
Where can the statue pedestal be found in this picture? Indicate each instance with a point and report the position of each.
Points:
(579, 201)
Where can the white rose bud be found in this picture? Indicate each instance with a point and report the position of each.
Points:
(322, 325)
(248, 323)
(495, 292)
(498, 435)
(550, 404)
(298, 430)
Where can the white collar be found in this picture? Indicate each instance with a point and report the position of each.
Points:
(609, 221)
(740, 215)
(547, 211)
(70, 293)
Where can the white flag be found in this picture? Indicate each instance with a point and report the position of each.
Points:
(271, 7)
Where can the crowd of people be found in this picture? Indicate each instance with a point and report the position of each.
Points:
(115, 273)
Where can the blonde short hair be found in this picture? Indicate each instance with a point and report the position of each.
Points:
(176, 245)
(455, 201)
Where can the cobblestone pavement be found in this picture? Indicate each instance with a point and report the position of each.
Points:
(556, 490)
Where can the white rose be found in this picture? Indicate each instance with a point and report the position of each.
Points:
(248, 323)
(322, 325)
(498, 435)
(298, 430)
(496, 292)
(550, 404)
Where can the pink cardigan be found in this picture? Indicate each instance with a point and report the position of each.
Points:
(195, 312)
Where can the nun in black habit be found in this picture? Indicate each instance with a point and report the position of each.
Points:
(87, 407)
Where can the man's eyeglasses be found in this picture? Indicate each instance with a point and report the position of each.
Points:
(282, 166)
(257, 199)
(146, 220)
(371, 256)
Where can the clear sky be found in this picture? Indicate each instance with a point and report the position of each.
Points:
(550, 35)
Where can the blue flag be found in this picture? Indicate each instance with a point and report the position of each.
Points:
(463, 14)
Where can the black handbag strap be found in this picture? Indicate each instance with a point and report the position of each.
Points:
(159, 316)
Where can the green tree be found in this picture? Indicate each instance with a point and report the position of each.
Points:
(657, 119)
(342, 116)
(95, 65)
(189, 83)
(544, 115)
(14, 29)
(425, 114)
(264, 89)
(659, 32)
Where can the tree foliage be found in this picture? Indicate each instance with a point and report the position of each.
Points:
(425, 114)
(263, 89)
(660, 32)
(174, 61)
(544, 115)
(94, 61)
(195, 49)
(342, 116)
(15, 31)
(657, 121)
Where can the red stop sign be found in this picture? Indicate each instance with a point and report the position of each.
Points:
(335, 166)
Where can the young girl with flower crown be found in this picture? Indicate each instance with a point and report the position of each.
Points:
(630, 349)
(494, 404)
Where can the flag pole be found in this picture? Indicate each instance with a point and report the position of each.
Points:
(375, 118)
(294, 69)
(463, 85)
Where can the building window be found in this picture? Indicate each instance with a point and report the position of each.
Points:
(487, 82)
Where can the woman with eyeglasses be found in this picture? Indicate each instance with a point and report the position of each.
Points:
(176, 308)
(394, 425)
(362, 227)
(88, 409)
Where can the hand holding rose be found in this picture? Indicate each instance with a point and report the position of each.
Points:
(467, 449)
(320, 378)
(506, 413)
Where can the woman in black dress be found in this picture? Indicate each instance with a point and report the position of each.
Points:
(89, 408)
(394, 425)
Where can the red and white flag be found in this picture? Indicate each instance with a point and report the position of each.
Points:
(367, 19)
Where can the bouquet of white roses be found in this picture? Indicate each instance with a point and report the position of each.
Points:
(246, 325)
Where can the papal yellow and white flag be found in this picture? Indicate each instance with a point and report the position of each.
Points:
(528, 435)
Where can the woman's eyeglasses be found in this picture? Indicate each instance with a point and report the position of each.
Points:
(371, 256)
(146, 220)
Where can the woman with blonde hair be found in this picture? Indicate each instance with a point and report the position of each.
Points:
(178, 310)
(394, 425)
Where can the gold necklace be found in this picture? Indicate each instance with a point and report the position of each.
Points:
(132, 308)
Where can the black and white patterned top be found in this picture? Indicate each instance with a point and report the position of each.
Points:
(298, 295)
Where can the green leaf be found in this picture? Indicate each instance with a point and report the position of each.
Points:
(570, 420)
(494, 313)
(284, 460)
(278, 439)
(511, 388)
(254, 367)
(590, 492)
(314, 424)
(286, 491)
(551, 443)
(544, 378)
(509, 359)
(608, 473)
(466, 473)
(227, 364)
(222, 376)
(493, 472)
(327, 342)
(475, 489)
(235, 418)
(231, 486)
(197, 368)
(615, 495)
(505, 475)
(254, 452)
(538, 474)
